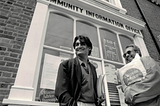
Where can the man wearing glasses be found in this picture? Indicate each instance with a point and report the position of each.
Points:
(77, 78)
(147, 91)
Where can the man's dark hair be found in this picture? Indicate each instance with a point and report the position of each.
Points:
(84, 39)
(135, 48)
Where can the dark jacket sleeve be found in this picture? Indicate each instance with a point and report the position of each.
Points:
(62, 86)
(148, 88)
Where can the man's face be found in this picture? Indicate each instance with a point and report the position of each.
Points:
(81, 48)
(129, 54)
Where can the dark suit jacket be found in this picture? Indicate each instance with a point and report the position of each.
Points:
(68, 85)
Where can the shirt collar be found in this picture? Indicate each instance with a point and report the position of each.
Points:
(80, 61)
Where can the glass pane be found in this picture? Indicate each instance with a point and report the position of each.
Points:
(110, 46)
(125, 41)
(59, 31)
(48, 74)
(112, 82)
(91, 32)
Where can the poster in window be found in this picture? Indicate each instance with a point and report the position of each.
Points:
(110, 70)
(50, 69)
(110, 48)
(49, 76)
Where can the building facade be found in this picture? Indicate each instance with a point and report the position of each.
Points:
(37, 35)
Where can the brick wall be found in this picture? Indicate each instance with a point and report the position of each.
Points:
(15, 19)
(151, 14)
(133, 10)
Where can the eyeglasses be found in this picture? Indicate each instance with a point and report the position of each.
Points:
(128, 52)
(81, 43)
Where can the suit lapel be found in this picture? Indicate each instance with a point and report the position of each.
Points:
(78, 70)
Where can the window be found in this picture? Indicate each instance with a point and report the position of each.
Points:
(109, 42)
(90, 30)
(106, 53)
(59, 32)
(56, 48)
(125, 41)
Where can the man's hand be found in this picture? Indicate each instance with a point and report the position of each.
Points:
(101, 99)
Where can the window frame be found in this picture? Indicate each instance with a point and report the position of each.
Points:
(100, 59)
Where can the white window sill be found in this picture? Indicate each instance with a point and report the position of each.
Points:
(30, 103)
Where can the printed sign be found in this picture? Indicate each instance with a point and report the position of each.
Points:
(50, 69)
(111, 73)
(131, 73)
(47, 95)
(110, 50)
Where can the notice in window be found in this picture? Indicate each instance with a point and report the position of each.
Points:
(111, 73)
(50, 69)
(110, 50)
